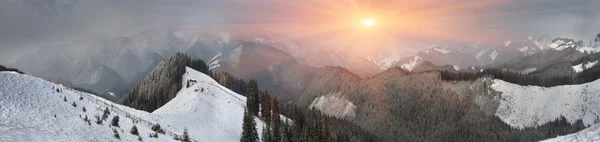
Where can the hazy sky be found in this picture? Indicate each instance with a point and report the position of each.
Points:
(34, 23)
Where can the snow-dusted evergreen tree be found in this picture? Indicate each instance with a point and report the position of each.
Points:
(115, 121)
(253, 104)
(134, 130)
(249, 132)
(186, 136)
(265, 107)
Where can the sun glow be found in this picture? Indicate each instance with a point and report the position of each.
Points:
(368, 22)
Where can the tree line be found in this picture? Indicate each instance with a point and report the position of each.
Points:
(3, 68)
(537, 79)
(298, 125)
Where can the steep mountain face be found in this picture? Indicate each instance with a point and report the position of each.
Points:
(37, 110)
(99, 76)
(384, 62)
(555, 60)
(130, 56)
(543, 59)
(509, 51)
(276, 71)
(564, 43)
(439, 57)
(397, 104)
(161, 85)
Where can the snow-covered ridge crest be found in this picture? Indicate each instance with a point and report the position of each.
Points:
(531, 106)
(590, 134)
(209, 111)
(33, 109)
(437, 49)
(384, 62)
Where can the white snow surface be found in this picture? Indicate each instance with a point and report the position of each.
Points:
(590, 50)
(412, 64)
(591, 134)
(583, 66)
(442, 50)
(523, 49)
(507, 43)
(561, 44)
(494, 55)
(384, 62)
(28, 104)
(333, 105)
(530, 106)
(556, 43)
(528, 70)
(479, 55)
(208, 110)
(225, 37)
(259, 40)
(456, 67)
(235, 55)
(214, 62)
(193, 41)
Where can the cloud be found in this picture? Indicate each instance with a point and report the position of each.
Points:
(33, 23)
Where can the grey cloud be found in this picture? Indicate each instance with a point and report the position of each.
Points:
(32, 23)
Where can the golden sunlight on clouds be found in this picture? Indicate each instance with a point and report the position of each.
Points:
(364, 26)
(368, 22)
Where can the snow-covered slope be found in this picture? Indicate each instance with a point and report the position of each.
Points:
(530, 106)
(591, 134)
(28, 105)
(412, 64)
(384, 62)
(583, 66)
(334, 105)
(208, 110)
(32, 109)
(438, 56)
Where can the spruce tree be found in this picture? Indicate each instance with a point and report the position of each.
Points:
(275, 120)
(252, 97)
(134, 130)
(186, 136)
(249, 133)
(265, 135)
(265, 109)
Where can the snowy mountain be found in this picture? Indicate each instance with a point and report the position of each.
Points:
(388, 103)
(590, 134)
(34, 110)
(563, 43)
(510, 50)
(275, 70)
(384, 62)
(440, 57)
(531, 106)
(130, 56)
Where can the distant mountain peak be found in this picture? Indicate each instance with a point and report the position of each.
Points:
(564, 43)
(437, 49)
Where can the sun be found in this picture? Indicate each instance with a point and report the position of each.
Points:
(368, 22)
